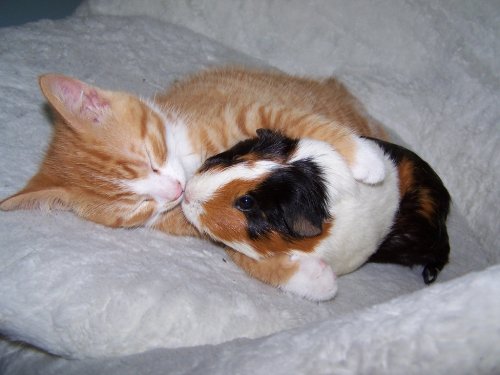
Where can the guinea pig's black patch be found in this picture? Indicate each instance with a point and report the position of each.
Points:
(417, 237)
(268, 145)
(291, 201)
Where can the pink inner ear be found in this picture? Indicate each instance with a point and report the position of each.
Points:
(82, 100)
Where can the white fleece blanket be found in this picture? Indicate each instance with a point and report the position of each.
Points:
(80, 290)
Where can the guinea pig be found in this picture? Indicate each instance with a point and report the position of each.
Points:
(274, 195)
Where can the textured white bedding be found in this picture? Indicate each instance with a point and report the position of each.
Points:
(80, 290)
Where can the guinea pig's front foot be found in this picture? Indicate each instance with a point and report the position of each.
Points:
(314, 279)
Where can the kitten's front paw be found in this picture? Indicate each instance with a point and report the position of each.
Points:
(314, 280)
(368, 166)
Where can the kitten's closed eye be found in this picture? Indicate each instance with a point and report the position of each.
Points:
(152, 164)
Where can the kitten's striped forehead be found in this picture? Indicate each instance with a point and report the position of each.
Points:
(152, 139)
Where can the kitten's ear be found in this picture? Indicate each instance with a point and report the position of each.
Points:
(38, 196)
(78, 103)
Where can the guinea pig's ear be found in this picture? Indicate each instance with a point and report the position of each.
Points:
(303, 217)
(302, 226)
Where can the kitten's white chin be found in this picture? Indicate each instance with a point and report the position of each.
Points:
(167, 206)
(162, 208)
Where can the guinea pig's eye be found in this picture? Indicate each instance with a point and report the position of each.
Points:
(245, 203)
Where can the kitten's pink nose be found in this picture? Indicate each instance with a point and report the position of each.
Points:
(169, 190)
(177, 190)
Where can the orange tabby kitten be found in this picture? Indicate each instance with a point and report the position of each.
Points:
(121, 161)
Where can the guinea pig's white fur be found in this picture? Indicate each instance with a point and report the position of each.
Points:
(361, 214)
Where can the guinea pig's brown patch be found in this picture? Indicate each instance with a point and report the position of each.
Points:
(251, 158)
(274, 270)
(427, 204)
(405, 172)
(254, 157)
(408, 184)
(275, 243)
(230, 224)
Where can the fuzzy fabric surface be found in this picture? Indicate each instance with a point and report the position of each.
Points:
(128, 302)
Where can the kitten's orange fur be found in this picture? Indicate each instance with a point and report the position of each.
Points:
(103, 140)
(228, 105)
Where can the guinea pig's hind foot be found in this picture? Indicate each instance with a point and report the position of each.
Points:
(314, 279)
(430, 273)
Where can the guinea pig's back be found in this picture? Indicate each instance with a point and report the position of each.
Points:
(419, 234)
